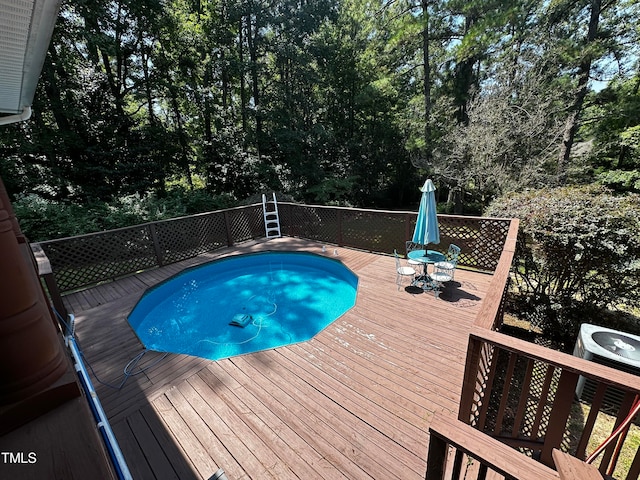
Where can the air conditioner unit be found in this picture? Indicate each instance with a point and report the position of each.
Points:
(608, 347)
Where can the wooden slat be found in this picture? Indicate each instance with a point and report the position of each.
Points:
(170, 448)
(612, 452)
(559, 414)
(131, 449)
(190, 444)
(484, 408)
(145, 438)
(522, 402)
(505, 394)
(590, 421)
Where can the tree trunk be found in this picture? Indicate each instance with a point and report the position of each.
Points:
(427, 81)
(571, 125)
(182, 138)
(223, 62)
(253, 57)
(243, 87)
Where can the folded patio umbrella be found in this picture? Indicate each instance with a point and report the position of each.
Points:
(427, 230)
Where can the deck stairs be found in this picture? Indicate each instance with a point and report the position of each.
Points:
(271, 217)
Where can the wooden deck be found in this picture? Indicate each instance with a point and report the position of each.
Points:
(355, 402)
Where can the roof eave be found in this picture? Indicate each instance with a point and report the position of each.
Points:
(28, 56)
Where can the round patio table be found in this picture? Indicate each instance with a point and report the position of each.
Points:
(426, 257)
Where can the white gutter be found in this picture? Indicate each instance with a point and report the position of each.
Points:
(19, 117)
(96, 407)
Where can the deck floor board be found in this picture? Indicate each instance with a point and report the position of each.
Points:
(354, 402)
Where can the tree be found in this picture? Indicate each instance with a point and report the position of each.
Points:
(595, 39)
(582, 76)
(351, 102)
(506, 143)
(612, 123)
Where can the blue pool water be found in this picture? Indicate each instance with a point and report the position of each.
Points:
(283, 298)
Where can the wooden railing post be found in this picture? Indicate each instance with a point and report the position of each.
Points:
(491, 310)
(46, 273)
(436, 458)
(227, 226)
(156, 244)
(469, 395)
(571, 468)
(611, 454)
(285, 218)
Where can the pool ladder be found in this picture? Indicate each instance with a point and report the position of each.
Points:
(271, 217)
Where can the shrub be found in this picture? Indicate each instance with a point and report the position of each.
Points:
(41, 219)
(578, 254)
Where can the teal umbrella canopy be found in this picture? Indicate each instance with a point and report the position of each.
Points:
(427, 230)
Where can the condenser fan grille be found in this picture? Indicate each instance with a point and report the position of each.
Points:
(621, 345)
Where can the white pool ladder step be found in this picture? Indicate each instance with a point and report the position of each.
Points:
(271, 217)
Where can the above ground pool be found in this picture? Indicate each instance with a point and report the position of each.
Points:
(243, 304)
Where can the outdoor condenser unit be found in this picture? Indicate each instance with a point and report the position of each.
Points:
(608, 347)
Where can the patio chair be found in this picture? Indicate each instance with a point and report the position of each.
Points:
(402, 271)
(410, 247)
(441, 275)
(449, 265)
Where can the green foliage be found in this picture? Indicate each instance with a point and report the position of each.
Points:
(578, 254)
(299, 96)
(621, 180)
(615, 134)
(333, 191)
(41, 219)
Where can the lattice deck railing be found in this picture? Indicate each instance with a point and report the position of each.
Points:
(481, 239)
(86, 260)
(522, 394)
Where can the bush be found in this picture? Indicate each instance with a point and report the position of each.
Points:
(577, 255)
(42, 219)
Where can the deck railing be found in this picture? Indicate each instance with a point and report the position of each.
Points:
(86, 260)
(523, 394)
(477, 456)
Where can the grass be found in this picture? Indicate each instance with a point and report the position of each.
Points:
(603, 427)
